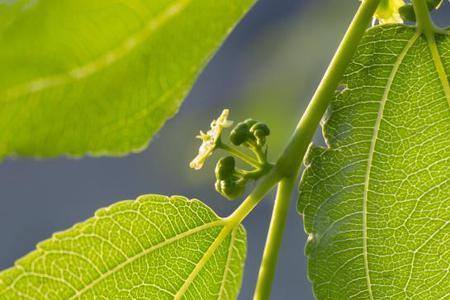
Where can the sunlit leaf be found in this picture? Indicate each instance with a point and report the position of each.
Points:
(376, 202)
(101, 77)
(155, 247)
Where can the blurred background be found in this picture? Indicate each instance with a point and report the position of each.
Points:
(267, 70)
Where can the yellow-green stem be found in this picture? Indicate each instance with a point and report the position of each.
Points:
(262, 188)
(272, 248)
(287, 167)
(241, 155)
(289, 163)
(424, 22)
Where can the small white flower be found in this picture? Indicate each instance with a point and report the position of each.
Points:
(210, 139)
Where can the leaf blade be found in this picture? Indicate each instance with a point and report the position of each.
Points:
(381, 189)
(101, 78)
(143, 248)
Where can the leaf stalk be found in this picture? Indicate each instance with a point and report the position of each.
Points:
(290, 161)
(239, 154)
(424, 22)
(276, 230)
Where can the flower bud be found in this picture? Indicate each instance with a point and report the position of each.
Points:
(230, 188)
(225, 168)
(250, 122)
(260, 131)
(240, 134)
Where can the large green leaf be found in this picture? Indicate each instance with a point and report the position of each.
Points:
(153, 248)
(101, 77)
(376, 202)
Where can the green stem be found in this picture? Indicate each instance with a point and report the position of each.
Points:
(259, 153)
(289, 163)
(262, 188)
(292, 157)
(424, 22)
(273, 243)
(426, 26)
(239, 154)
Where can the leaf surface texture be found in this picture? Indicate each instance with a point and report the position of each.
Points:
(376, 202)
(101, 77)
(155, 247)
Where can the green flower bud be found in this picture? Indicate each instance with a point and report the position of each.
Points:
(249, 130)
(240, 134)
(230, 188)
(260, 131)
(225, 168)
(261, 127)
(250, 122)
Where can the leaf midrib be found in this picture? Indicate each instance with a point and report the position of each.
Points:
(211, 250)
(373, 143)
(146, 252)
(227, 265)
(443, 77)
(103, 61)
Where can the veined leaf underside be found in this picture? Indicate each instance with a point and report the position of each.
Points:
(376, 202)
(152, 248)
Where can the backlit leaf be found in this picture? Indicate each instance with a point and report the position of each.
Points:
(376, 202)
(155, 247)
(101, 77)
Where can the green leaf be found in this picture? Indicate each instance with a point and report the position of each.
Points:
(101, 77)
(153, 248)
(376, 202)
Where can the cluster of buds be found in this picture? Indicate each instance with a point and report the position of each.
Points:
(251, 134)
(230, 182)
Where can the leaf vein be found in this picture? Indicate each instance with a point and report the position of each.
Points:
(383, 101)
(147, 251)
(104, 61)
